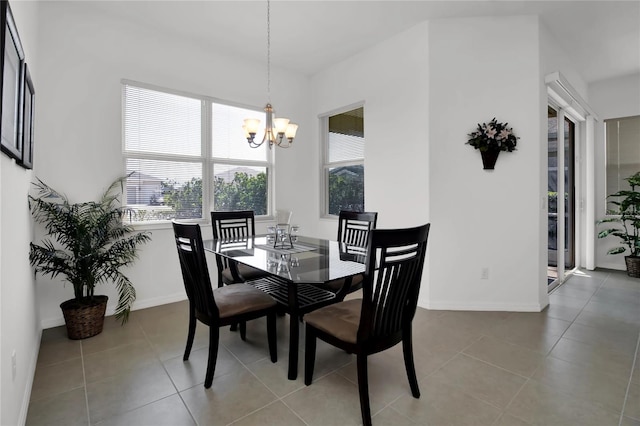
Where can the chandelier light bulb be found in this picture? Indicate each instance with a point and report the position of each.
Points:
(276, 129)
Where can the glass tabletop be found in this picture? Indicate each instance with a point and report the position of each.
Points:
(307, 260)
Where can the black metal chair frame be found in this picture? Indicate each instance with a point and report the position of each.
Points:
(395, 261)
(202, 304)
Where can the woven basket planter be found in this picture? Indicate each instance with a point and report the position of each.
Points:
(84, 318)
(633, 266)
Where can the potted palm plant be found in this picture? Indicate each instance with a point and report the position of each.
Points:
(627, 216)
(88, 244)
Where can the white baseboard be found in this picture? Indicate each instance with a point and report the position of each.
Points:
(31, 374)
(502, 307)
(111, 308)
(613, 266)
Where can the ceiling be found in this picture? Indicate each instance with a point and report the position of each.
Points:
(601, 37)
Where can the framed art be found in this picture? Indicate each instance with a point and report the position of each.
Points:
(12, 65)
(28, 109)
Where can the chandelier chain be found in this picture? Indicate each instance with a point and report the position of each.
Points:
(269, 51)
(278, 131)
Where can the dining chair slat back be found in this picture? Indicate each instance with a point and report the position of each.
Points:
(395, 262)
(195, 274)
(234, 225)
(384, 315)
(220, 306)
(354, 227)
(353, 233)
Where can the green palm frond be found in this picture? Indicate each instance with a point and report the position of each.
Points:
(87, 242)
(627, 216)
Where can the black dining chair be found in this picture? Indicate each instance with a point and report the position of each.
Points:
(234, 225)
(383, 317)
(353, 234)
(221, 306)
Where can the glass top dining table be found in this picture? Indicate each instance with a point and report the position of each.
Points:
(307, 260)
(294, 273)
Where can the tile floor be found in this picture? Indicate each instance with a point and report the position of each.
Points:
(572, 364)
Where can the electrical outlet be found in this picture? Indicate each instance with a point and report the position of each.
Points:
(13, 365)
(484, 273)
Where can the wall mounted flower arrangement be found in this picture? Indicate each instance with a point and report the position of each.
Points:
(491, 138)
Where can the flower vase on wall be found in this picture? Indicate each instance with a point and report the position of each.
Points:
(491, 138)
(489, 158)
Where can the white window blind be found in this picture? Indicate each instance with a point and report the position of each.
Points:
(176, 172)
(344, 161)
(623, 153)
(161, 123)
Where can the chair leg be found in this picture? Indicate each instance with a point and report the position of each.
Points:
(192, 331)
(309, 354)
(234, 327)
(214, 335)
(407, 349)
(363, 389)
(243, 330)
(272, 336)
(294, 340)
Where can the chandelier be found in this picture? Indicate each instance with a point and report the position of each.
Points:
(278, 131)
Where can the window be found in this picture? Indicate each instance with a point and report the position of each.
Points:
(623, 153)
(343, 167)
(186, 157)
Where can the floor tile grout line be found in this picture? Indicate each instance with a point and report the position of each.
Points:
(499, 367)
(278, 398)
(84, 380)
(390, 407)
(633, 367)
(157, 356)
(600, 286)
(506, 407)
(294, 411)
(573, 321)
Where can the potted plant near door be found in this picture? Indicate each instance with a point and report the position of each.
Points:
(628, 217)
(88, 244)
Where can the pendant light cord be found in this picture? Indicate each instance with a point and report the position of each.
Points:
(268, 51)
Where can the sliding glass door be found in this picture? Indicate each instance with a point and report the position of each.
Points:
(560, 170)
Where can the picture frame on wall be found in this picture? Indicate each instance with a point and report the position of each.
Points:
(12, 68)
(28, 110)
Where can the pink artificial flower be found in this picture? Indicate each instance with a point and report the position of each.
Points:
(491, 132)
(504, 134)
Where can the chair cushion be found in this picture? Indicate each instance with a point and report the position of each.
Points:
(336, 285)
(340, 320)
(241, 298)
(245, 271)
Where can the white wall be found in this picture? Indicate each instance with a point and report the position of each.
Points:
(423, 91)
(391, 79)
(612, 98)
(553, 58)
(481, 68)
(20, 329)
(86, 52)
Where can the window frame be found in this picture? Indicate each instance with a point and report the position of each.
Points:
(620, 185)
(324, 158)
(205, 159)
